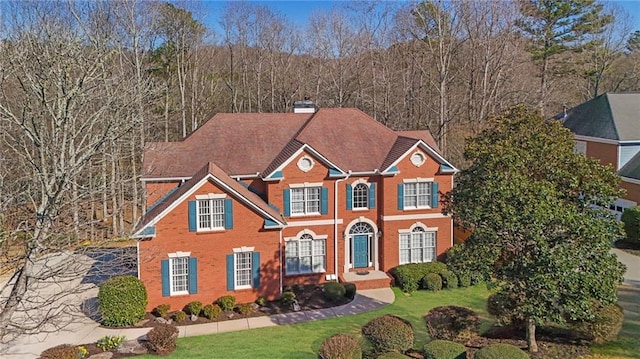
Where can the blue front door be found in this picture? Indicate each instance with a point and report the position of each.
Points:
(360, 251)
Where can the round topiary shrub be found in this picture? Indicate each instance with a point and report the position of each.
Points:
(464, 279)
(449, 279)
(122, 301)
(392, 355)
(444, 349)
(389, 333)
(287, 298)
(333, 291)
(604, 328)
(340, 346)
(162, 310)
(452, 323)
(501, 351)
(162, 339)
(432, 282)
(211, 311)
(227, 302)
(64, 351)
(350, 290)
(193, 308)
(180, 316)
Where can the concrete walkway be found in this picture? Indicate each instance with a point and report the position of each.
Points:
(87, 331)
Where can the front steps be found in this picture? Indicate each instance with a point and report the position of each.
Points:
(370, 279)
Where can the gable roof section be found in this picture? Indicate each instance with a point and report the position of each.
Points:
(214, 173)
(611, 116)
(632, 168)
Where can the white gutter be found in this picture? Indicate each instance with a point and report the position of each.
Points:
(335, 223)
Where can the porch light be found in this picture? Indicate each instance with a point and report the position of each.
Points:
(379, 234)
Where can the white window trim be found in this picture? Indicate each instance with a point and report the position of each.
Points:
(173, 256)
(304, 186)
(353, 187)
(210, 197)
(299, 163)
(235, 270)
(314, 238)
(420, 153)
(244, 249)
(416, 181)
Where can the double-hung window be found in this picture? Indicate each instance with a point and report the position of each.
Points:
(305, 200)
(243, 267)
(179, 275)
(305, 255)
(417, 246)
(210, 214)
(360, 196)
(417, 195)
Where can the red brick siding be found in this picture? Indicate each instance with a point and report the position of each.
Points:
(155, 190)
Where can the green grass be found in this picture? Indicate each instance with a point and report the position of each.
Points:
(303, 340)
(628, 343)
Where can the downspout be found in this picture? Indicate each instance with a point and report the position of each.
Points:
(280, 259)
(138, 256)
(335, 223)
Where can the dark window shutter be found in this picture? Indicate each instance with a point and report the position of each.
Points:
(349, 197)
(228, 213)
(372, 196)
(255, 263)
(401, 196)
(192, 216)
(230, 272)
(434, 195)
(286, 194)
(164, 264)
(193, 275)
(324, 203)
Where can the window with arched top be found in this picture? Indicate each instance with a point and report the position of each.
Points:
(305, 255)
(361, 228)
(417, 246)
(360, 196)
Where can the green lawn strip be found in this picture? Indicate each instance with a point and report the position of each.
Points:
(628, 343)
(303, 340)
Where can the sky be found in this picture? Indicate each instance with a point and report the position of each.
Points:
(299, 11)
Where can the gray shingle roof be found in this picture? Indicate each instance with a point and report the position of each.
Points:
(612, 116)
(632, 168)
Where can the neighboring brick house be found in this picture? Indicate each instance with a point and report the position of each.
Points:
(252, 202)
(608, 128)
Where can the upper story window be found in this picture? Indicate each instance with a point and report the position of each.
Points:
(414, 194)
(360, 195)
(210, 214)
(306, 199)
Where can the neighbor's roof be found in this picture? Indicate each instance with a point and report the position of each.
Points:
(632, 168)
(257, 143)
(612, 116)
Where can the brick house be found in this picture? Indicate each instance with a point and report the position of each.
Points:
(608, 128)
(252, 202)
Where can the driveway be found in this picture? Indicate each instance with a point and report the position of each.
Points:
(71, 288)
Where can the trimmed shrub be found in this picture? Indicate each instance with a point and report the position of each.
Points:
(444, 349)
(631, 221)
(193, 308)
(501, 351)
(340, 346)
(64, 351)
(432, 282)
(464, 279)
(122, 301)
(392, 355)
(452, 322)
(261, 301)
(180, 316)
(449, 279)
(162, 310)
(605, 326)
(389, 333)
(409, 276)
(109, 342)
(211, 311)
(227, 302)
(349, 290)
(287, 298)
(162, 339)
(245, 308)
(333, 291)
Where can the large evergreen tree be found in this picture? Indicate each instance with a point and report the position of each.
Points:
(556, 26)
(528, 197)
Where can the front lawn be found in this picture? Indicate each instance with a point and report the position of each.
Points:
(303, 340)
